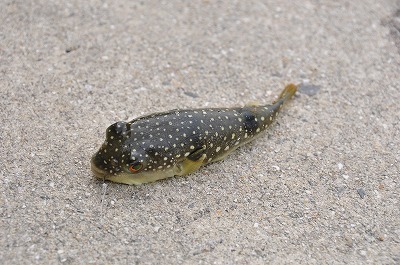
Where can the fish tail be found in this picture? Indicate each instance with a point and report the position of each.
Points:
(287, 93)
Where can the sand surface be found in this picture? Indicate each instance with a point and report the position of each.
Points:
(322, 185)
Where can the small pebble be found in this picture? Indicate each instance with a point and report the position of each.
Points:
(71, 48)
(309, 89)
(361, 192)
(191, 94)
(276, 168)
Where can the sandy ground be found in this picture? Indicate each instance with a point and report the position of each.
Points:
(321, 185)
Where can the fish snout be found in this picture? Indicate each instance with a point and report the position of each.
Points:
(97, 171)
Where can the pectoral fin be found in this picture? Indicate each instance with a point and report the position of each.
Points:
(190, 163)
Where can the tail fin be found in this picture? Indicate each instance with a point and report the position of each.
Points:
(287, 93)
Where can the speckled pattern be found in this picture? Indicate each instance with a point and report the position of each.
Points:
(320, 186)
(153, 147)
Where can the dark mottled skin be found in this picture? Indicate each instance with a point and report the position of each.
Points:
(161, 142)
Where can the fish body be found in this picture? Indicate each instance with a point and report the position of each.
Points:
(178, 142)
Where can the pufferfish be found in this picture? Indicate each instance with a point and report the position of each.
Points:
(180, 141)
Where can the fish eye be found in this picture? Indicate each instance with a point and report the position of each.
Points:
(135, 167)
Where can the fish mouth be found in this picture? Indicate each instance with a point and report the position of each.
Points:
(99, 173)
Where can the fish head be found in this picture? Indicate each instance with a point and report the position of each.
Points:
(122, 160)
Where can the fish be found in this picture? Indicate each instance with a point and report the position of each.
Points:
(178, 142)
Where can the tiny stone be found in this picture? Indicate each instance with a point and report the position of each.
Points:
(340, 166)
(276, 168)
(255, 225)
(71, 48)
(361, 192)
(308, 89)
(190, 94)
(345, 176)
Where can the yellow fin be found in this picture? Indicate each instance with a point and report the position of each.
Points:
(288, 92)
(189, 165)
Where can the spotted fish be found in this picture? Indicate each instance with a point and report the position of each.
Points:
(178, 142)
